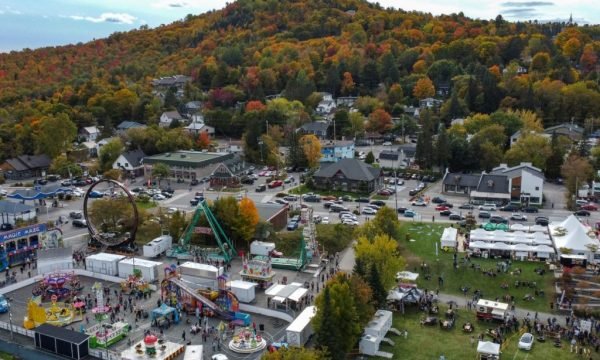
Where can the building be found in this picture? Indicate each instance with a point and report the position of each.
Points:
(572, 131)
(346, 101)
(175, 81)
(26, 166)
(193, 164)
(492, 189)
(326, 105)
(126, 125)
(527, 182)
(192, 107)
(459, 184)
(89, 133)
(275, 214)
(11, 211)
(316, 128)
(349, 175)
(168, 117)
(131, 162)
(197, 126)
(20, 244)
(336, 150)
(430, 103)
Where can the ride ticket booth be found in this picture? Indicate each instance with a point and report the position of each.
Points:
(491, 310)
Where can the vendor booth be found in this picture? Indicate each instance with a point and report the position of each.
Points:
(61, 341)
(448, 239)
(488, 309)
(165, 316)
(487, 350)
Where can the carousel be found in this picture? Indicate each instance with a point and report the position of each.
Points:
(59, 285)
(153, 347)
(246, 341)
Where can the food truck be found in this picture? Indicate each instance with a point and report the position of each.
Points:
(491, 310)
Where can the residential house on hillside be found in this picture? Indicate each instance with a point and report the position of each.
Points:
(326, 105)
(430, 103)
(349, 175)
(346, 101)
(335, 150)
(176, 81)
(168, 117)
(527, 182)
(572, 131)
(89, 133)
(26, 166)
(317, 128)
(197, 126)
(192, 107)
(126, 125)
(131, 162)
(103, 142)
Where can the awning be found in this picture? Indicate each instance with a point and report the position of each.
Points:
(488, 347)
(278, 299)
(489, 195)
(38, 193)
(298, 294)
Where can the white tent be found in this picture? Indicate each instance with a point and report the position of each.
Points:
(488, 348)
(543, 249)
(539, 228)
(479, 245)
(522, 247)
(521, 227)
(501, 246)
(449, 237)
(576, 237)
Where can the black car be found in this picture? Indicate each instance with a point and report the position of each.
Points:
(438, 200)
(582, 213)
(80, 183)
(510, 207)
(194, 202)
(194, 182)
(446, 212)
(401, 210)
(466, 206)
(41, 181)
(312, 198)
(76, 215)
(498, 220)
(378, 202)
(247, 180)
(362, 200)
(455, 217)
(79, 223)
(530, 209)
(484, 215)
(347, 198)
(413, 192)
(542, 220)
(261, 188)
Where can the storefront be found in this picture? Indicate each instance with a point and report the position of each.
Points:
(19, 244)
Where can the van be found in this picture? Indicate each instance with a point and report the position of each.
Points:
(488, 207)
(261, 188)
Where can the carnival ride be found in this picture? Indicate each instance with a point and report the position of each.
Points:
(113, 237)
(135, 283)
(62, 285)
(258, 270)
(188, 296)
(57, 314)
(293, 263)
(225, 250)
(104, 335)
(246, 341)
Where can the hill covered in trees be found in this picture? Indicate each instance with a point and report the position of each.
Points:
(255, 48)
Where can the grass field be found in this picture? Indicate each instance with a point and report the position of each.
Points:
(428, 343)
(425, 235)
(303, 189)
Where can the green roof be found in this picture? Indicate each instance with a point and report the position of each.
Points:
(188, 158)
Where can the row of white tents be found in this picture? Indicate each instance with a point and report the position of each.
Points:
(573, 235)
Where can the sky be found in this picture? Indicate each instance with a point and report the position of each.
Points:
(34, 23)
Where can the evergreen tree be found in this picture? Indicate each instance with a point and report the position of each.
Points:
(379, 293)
(332, 80)
(370, 158)
(472, 93)
(300, 87)
(442, 148)
(370, 75)
(424, 150)
(389, 69)
(359, 268)
(324, 326)
(555, 160)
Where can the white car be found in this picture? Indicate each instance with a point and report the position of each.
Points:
(158, 197)
(349, 222)
(488, 207)
(419, 203)
(518, 217)
(349, 217)
(369, 211)
(526, 341)
(219, 357)
(172, 210)
(281, 201)
(325, 220)
(387, 143)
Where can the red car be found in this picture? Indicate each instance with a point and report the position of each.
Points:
(441, 208)
(275, 183)
(384, 192)
(590, 207)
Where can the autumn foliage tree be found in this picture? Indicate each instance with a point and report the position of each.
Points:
(248, 218)
(311, 146)
(203, 141)
(379, 121)
(423, 88)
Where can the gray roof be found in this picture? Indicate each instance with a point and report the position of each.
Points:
(336, 143)
(516, 170)
(9, 207)
(572, 128)
(124, 125)
(493, 184)
(408, 149)
(174, 114)
(134, 157)
(465, 180)
(315, 126)
(28, 162)
(353, 169)
(267, 211)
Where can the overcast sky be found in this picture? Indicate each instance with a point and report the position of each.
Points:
(35, 23)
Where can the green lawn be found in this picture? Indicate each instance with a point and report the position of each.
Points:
(146, 205)
(303, 189)
(429, 342)
(379, 197)
(423, 249)
(6, 356)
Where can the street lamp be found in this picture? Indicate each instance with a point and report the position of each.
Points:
(12, 334)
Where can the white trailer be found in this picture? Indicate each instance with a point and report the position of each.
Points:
(104, 263)
(193, 352)
(158, 246)
(195, 269)
(261, 248)
(243, 290)
(149, 269)
(300, 330)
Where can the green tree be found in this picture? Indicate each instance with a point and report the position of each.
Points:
(55, 135)
(555, 160)
(295, 353)
(532, 148)
(357, 125)
(379, 292)
(442, 148)
(370, 158)
(160, 171)
(490, 155)
(109, 154)
(424, 154)
(300, 87)
(112, 215)
(576, 170)
(177, 224)
(64, 167)
(389, 69)
(381, 251)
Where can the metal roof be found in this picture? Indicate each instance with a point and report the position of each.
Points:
(353, 169)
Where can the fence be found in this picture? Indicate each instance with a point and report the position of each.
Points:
(17, 329)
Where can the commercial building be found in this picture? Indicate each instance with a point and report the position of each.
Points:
(26, 166)
(335, 150)
(349, 175)
(526, 182)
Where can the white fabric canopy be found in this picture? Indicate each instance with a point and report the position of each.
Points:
(544, 249)
(521, 227)
(501, 246)
(479, 245)
(449, 237)
(576, 237)
(488, 347)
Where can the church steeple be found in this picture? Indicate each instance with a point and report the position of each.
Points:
(571, 19)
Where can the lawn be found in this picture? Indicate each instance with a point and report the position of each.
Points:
(146, 204)
(425, 235)
(429, 342)
(6, 356)
(303, 189)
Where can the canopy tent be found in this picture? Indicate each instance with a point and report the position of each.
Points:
(521, 227)
(448, 238)
(522, 247)
(163, 311)
(543, 249)
(501, 246)
(488, 348)
(538, 228)
(407, 276)
(37, 193)
(479, 245)
(572, 234)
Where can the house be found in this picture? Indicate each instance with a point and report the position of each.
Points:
(317, 128)
(89, 133)
(527, 182)
(349, 175)
(346, 101)
(192, 107)
(176, 81)
(326, 105)
(197, 126)
(442, 89)
(430, 103)
(26, 166)
(126, 125)
(168, 117)
(492, 189)
(11, 211)
(459, 184)
(335, 150)
(275, 214)
(572, 131)
(103, 142)
(411, 111)
(131, 162)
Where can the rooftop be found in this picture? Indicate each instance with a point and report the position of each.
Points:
(188, 158)
(267, 211)
(353, 169)
(9, 207)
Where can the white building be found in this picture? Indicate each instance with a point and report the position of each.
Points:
(168, 117)
(326, 105)
(197, 126)
(526, 182)
(130, 161)
(89, 133)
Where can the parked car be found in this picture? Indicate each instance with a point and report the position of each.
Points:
(413, 192)
(410, 213)
(194, 182)
(261, 188)
(378, 202)
(194, 202)
(338, 208)
(542, 220)
(292, 225)
(530, 209)
(401, 210)
(325, 220)
(448, 205)
(275, 183)
(311, 198)
(438, 200)
(76, 215)
(369, 211)
(290, 198)
(518, 217)
(158, 197)
(488, 207)
(350, 222)
(498, 220)
(510, 207)
(455, 216)
(526, 341)
(589, 207)
(441, 208)
(580, 202)
(281, 201)
(247, 180)
(466, 206)
(446, 212)
(384, 192)
(582, 213)
(484, 215)
(362, 200)
(80, 223)
(3, 304)
(96, 194)
(419, 203)
(346, 198)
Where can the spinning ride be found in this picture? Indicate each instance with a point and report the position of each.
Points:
(104, 335)
(246, 341)
(61, 285)
(57, 314)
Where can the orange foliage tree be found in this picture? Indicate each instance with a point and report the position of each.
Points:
(379, 121)
(246, 224)
(203, 141)
(423, 88)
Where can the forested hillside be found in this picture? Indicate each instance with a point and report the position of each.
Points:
(255, 48)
